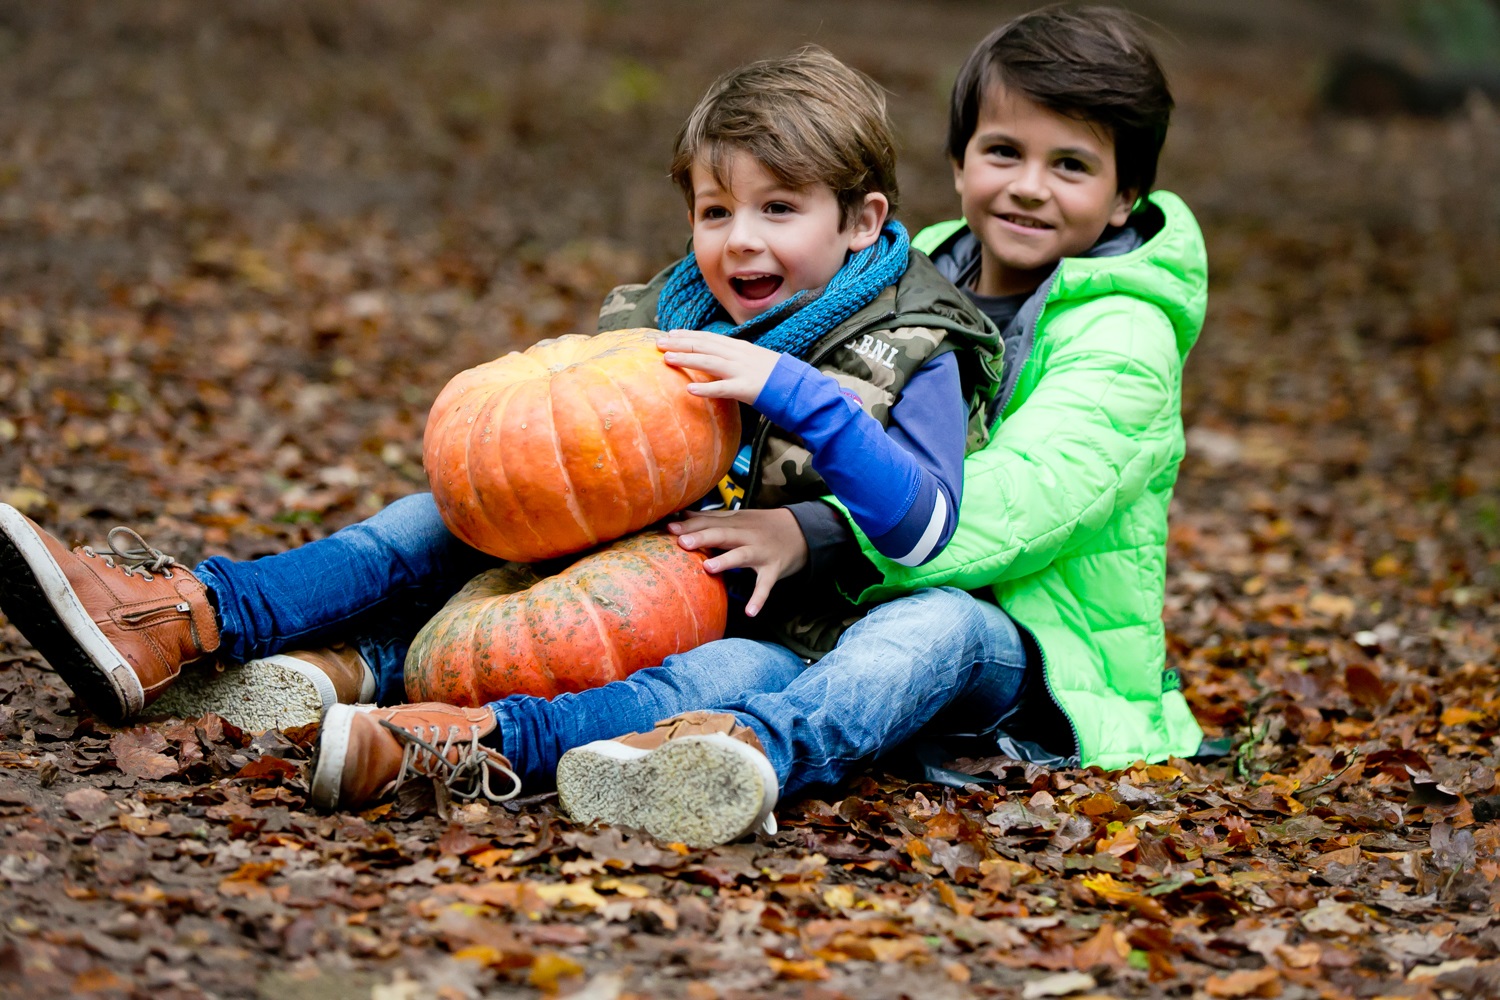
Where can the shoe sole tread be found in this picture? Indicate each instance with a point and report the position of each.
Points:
(276, 692)
(698, 791)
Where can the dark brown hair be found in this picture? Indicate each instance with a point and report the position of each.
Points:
(1089, 63)
(806, 118)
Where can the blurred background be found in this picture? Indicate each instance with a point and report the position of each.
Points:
(242, 246)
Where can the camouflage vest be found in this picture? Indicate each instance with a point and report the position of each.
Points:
(872, 354)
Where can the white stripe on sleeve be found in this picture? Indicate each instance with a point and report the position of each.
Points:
(930, 536)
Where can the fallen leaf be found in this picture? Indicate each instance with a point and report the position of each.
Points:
(1365, 686)
(88, 804)
(549, 968)
(1331, 916)
(804, 970)
(144, 826)
(138, 752)
(1058, 985)
(1264, 982)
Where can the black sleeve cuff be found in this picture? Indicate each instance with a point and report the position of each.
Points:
(830, 541)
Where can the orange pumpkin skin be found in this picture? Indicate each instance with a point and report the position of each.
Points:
(509, 631)
(573, 443)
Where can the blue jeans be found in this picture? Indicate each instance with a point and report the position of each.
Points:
(374, 584)
(936, 658)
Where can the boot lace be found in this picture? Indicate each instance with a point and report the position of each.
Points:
(467, 776)
(134, 554)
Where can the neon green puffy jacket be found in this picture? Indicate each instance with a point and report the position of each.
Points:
(1064, 514)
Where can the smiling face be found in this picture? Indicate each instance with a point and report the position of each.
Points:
(759, 242)
(1036, 186)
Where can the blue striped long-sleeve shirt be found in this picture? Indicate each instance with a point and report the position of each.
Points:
(901, 483)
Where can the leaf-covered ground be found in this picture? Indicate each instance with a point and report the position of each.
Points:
(241, 248)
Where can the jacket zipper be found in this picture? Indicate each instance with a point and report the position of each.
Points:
(1010, 392)
(1052, 692)
(1036, 325)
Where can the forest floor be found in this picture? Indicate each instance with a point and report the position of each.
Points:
(242, 247)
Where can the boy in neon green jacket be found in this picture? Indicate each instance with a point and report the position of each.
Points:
(1099, 290)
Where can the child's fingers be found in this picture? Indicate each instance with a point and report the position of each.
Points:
(725, 388)
(702, 529)
(713, 364)
(764, 581)
(697, 520)
(696, 343)
(714, 537)
(692, 346)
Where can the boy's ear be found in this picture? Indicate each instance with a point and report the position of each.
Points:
(1124, 205)
(865, 229)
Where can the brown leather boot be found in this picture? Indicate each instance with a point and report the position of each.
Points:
(282, 691)
(699, 779)
(365, 753)
(116, 626)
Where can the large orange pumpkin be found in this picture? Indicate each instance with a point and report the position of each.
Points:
(572, 443)
(509, 631)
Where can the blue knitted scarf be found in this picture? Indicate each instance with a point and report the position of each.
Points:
(794, 326)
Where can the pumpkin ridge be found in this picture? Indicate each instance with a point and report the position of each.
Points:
(689, 472)
(686, 599)
(683, 421)
(616, 669)
(586, 380)
(493, 410)
(482, 632)
(556, 598)
(652, 466)
(570, 492)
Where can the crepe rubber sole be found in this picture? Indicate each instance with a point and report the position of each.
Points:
(277, 692)
(695, 790)
(40, 602)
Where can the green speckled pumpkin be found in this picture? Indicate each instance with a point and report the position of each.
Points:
(511, 631)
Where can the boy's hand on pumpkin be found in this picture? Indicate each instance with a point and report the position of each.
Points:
(767, 541)
(739, 369)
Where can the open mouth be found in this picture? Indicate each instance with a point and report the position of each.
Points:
(756, 287)
(1025, 221)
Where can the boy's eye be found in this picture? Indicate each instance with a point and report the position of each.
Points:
(778, 208)
(712, 212)
(1004, 150)
(1072, 165)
